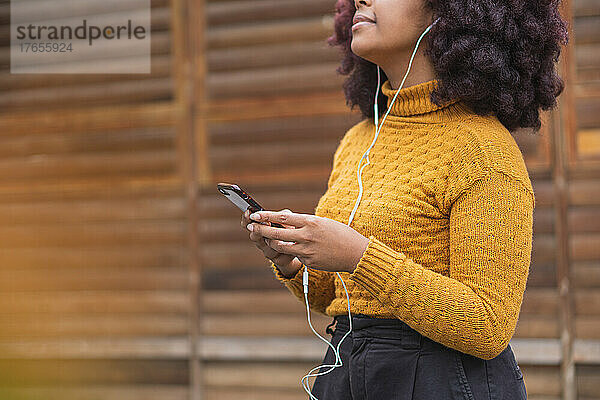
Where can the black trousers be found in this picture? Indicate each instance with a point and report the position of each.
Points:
(385, 359)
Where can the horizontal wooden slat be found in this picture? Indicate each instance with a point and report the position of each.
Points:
(586, 274)
(537, 326)
(99, 392)
(88, 302)
(65, 8)
(544, 193)
(173, 347)
(289, 130)
(93, 235)
(235, 12)
(584, 192)
(118, 187)
(270, 55)
(257, 302)
(282, 176)
(274, 348)
(588, 73)
(255, 374)
(587, 326)
(258, 277)
(76, 165)
(587, 55)
(542, 275)
(297, 79)
(544, 250)
(89, 211)
(588, 143)
(88, 278)
(249, 393)
(585, 247)
(160, 67)
(272, 156)
(587, 107)
(586, 29)
(586, 7)
(584, 219)
(301, 29)
(261, 325)
(101, 257)
(542, 382)
(92, 325)
(102, 93)
(70, 143)
(240, 109)
(160, 16)
(79, 372)
(88, 120)
(123, 53)
(587, 381)
(586, 351)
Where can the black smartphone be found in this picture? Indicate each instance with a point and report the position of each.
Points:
(241, 199)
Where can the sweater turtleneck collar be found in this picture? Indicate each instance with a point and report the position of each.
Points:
(415, 100)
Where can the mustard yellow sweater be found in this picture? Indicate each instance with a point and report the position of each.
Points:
(448, 209)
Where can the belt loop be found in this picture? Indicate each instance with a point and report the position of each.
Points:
(328, 329)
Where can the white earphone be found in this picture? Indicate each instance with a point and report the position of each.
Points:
(338, 359)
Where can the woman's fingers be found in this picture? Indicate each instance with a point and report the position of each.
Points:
(283, 234)
(259, 241)
(283, 217)
(257, 238)
(245, 219)
(267, 245)
(283, 260)
(264, 228)
(286, 225)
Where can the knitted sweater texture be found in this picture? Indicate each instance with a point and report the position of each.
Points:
(447, 207)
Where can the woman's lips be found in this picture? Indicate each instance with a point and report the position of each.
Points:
(361, 23)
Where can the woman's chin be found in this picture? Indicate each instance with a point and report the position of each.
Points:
(361, 51)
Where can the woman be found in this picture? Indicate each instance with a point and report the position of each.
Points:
(437, 258)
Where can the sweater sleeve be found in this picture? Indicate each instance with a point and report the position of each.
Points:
(475, 309)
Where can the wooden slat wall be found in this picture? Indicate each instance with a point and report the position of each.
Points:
(587, 79)
(93, 260)
(584, 198)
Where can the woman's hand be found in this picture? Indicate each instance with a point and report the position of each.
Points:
(288, 264)
(318, 242)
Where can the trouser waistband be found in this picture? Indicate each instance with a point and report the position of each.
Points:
(367, 326)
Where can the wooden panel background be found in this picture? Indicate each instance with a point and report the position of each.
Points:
(126, 275)
(93, 260)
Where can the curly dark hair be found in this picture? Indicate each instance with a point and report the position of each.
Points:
(497, 56)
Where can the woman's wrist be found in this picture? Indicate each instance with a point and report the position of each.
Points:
(361, 247)
(290, 270)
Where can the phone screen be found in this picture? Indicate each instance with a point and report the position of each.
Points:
(241, 199)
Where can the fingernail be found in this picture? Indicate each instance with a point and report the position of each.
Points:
(255, 216)
(250, 227)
